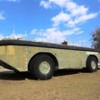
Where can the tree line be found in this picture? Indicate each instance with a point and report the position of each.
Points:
(96, 38)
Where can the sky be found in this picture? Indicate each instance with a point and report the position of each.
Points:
(50, 20)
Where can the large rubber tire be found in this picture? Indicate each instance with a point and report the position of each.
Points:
(92, 64)
(42, 67)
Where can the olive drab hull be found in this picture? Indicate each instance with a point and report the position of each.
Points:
(17, 55)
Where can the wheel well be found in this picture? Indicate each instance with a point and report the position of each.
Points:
(92, 56)
(49, 54)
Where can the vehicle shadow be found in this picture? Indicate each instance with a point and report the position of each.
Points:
(64, 72)
(11, 75)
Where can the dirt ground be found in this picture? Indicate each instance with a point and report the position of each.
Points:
(65, 85)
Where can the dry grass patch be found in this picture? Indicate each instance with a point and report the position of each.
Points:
(65, 85)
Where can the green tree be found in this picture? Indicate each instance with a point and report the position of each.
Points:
(96, 38)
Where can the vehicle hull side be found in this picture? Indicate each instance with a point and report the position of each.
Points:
(20, 56)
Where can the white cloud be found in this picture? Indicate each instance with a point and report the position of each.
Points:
(79, 10)
(60, 3)
(2, 16)
(74, 30)
(13, 35)
(81, 19)
(34, 31)
(48, 4)
(51, 35)
(73, 14)
(67, 21)
(16, 36)
(61, 18)
(75, 9)
(83, 42)
(1, 36)
(54, 34)
(85, 18)
(45, 4)
(48, 35)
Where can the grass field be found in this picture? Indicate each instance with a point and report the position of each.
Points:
(65, 85)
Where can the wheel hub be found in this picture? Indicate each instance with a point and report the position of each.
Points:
(44, 67)
(93, 64)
